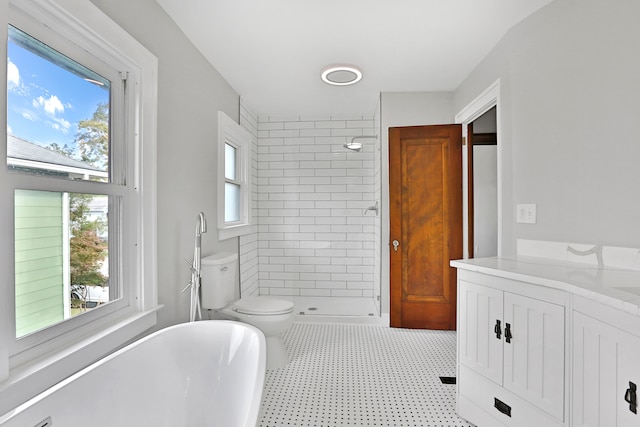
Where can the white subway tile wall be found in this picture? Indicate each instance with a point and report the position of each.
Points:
(314, 238)
(248, 250)
(377, 185)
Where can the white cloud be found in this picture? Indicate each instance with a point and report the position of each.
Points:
(27, 115)
(61, 124)
(51, 106)
(13, 74)
(9, 130)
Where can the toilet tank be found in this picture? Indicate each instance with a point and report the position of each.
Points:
(218, 280)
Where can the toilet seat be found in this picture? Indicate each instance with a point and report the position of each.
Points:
(265, 306)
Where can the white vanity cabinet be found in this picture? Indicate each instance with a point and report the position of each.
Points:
(606, 366)
(511, 352)
(573, 359)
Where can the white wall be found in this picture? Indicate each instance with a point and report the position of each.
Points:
(404, 109)
(485, 200)
(314, 239)
(379, 219)
(570, 91)
(190, 92)
(249, 267)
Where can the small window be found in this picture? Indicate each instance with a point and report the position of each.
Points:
(230, 161)
(234, 186)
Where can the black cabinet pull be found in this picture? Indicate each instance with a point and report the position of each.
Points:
(502, 407)
(631, 397)
(498, 329)
(507, 332)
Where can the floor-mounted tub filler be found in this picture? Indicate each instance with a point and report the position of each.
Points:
(208, 373)
(195, 312)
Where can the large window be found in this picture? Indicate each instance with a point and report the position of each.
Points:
(77, 192)
(234, 177)
(58, 127)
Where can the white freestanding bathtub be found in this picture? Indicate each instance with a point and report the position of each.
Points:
(207, 373)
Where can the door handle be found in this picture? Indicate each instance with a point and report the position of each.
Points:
(502, 407)
(498, 329)
(395, 244)
(631, 397)
(507, 332)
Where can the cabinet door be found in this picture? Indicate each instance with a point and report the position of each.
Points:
(628, 375)
(534, 353)
(480, 348)
(605, 360)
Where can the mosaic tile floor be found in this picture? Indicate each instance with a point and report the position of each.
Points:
(364, 376)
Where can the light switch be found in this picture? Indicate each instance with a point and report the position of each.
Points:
(526, 213)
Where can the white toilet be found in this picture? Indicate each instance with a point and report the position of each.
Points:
(271, 315)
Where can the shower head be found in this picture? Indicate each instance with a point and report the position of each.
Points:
(354, 145)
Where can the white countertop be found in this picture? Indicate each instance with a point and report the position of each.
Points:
(618, 288)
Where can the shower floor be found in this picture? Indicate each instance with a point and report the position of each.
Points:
(336, 309)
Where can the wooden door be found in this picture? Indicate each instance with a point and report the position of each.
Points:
(425, 190)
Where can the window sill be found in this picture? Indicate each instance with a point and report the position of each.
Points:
(26, 381)
(240, 230)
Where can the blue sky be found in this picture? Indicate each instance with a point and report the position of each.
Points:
(45, 101)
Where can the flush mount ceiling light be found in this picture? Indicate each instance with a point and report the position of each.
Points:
(341, 75)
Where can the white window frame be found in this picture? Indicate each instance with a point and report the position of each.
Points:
(230, 132)
(33, 363)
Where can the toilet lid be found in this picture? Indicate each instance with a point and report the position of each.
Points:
(263, 305)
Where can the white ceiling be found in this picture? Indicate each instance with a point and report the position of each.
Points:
(272, 51)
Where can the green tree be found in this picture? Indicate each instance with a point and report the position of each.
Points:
(93, 138)
(66, 150)
(87, 250)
